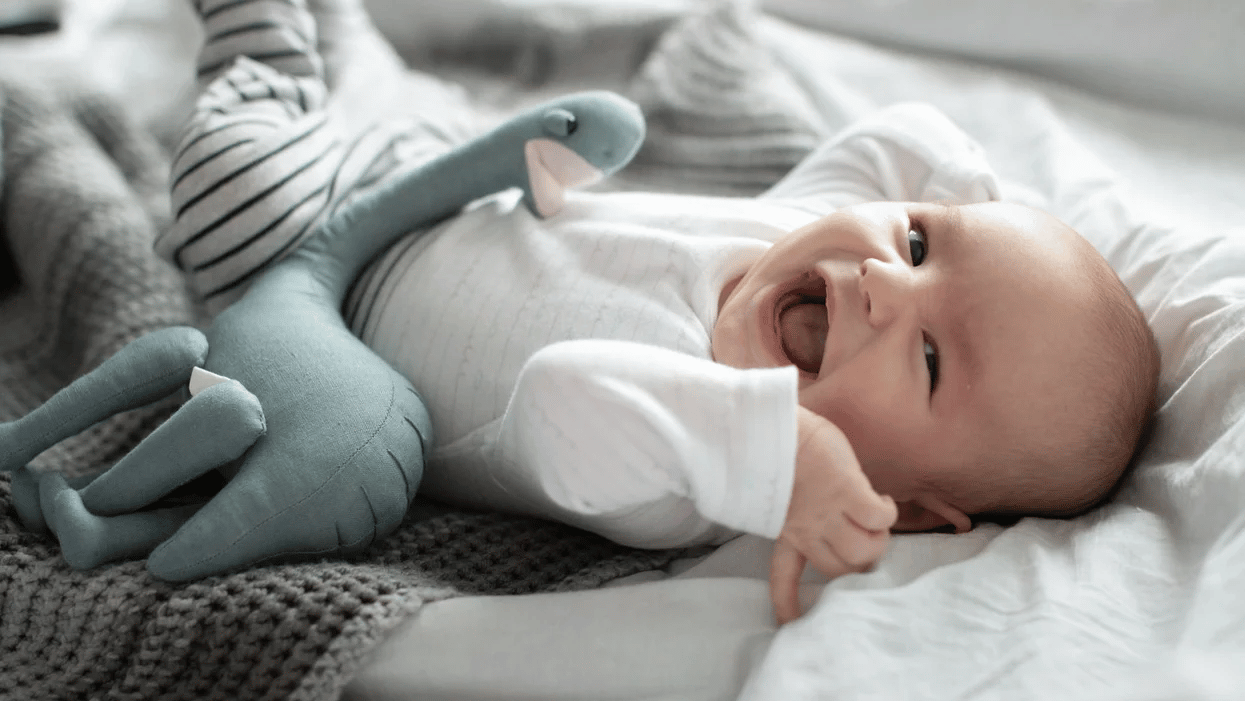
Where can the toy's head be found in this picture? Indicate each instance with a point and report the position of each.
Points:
(583, 138)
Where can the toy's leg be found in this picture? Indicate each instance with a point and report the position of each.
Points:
(88, 540)
(150, 368)
(25, 493)
(102, 522)
(26, 499)
(215, 427)
(285, 502)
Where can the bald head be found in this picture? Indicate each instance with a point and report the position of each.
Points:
(1087, 428)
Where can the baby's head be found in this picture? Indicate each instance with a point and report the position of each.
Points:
(981, 359)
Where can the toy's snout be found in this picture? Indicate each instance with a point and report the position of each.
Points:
(601, 127)
(585, 137)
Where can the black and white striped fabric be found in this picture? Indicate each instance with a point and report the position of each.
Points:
(279, 33)
(260, 163)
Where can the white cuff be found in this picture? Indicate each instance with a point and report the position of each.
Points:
(761, 460)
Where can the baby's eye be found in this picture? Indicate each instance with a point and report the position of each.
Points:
(931, 362)
(917, 245)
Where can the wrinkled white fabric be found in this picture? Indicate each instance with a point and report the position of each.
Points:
(1138, 599)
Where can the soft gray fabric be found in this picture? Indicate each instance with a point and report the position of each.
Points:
(295, 631)
(83, 196)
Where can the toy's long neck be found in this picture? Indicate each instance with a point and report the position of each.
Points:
(357, 233)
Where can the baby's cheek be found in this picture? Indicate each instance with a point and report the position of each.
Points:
(867, 406)
(723, 342)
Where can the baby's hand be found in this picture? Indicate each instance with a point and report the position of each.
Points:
(835, 521)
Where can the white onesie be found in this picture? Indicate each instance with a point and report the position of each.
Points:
(566, 362)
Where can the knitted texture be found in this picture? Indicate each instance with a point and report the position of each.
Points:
(83, 194)
(82, 201)
(283, 632)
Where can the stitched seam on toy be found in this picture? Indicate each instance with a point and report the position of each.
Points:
(340, 467)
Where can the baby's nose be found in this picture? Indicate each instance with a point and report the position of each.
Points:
(885, 290)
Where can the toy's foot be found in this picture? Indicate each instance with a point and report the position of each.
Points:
(216, 426)
(88, 540)
(25, 490)
(26, 497)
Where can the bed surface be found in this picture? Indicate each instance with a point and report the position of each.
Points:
(1137, 600)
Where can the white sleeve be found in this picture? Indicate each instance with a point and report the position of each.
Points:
(643, 445)
(908, 152)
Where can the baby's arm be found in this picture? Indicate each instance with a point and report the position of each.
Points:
(646, 446)
(908, 152)
(651, 447)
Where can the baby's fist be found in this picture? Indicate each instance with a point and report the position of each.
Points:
(835, 520)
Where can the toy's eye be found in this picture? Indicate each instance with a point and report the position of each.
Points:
(559, 122)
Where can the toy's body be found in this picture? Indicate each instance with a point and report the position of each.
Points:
(322, 441)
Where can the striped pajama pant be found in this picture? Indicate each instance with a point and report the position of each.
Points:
(261, 162)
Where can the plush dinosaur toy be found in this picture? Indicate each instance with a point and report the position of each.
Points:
(322, 442)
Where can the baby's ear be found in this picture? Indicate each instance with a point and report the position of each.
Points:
(927, 512)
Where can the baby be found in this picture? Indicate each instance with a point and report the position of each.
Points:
(821, 365)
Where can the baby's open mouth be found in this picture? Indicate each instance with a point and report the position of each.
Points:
(803, 323)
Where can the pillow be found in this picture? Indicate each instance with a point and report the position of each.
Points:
(724, 117)
(1180, 55)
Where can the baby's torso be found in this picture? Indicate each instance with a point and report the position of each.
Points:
(461, 308)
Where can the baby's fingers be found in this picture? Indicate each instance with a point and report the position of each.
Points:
(786, 566)
(855, 547)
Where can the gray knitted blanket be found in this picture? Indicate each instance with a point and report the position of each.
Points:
(83, 195)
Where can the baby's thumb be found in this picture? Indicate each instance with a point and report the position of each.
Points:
(878, 513)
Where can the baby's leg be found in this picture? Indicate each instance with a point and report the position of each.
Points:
(258, 160)
(278, 33)
(263, 160)
(150, 368)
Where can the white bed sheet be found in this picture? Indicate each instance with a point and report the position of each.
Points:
(1137, 598)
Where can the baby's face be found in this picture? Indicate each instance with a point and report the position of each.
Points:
(934, 336)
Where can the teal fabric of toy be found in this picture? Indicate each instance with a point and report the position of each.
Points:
(322, 442)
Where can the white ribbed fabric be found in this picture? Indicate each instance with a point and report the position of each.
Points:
(566, 362)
